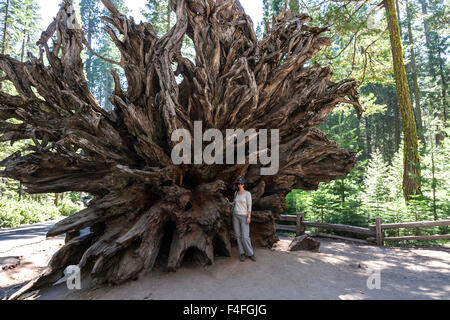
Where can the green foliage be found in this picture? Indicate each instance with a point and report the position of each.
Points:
(19, 28)
(376, 190)
(17, 207)
(28, 210)
(157, 13)
(67, 207)
(380, 195)
(98, 71)
(14, 213)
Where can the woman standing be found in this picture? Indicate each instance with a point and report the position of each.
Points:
(242, 211)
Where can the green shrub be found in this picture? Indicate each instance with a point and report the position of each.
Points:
(67, 207)
(14, 213)
(27, 211)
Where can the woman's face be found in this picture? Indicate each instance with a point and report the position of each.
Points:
(241, 186)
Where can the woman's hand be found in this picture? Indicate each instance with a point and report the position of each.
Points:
(248, 219)
(230, 203)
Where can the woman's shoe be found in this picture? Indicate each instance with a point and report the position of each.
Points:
(242, 257)
(252, 258)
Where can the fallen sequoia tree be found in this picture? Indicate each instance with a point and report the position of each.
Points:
(147, 210)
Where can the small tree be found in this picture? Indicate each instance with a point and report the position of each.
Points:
(375, 183)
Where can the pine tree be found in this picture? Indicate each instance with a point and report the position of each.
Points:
(435, 23)
(159, 14)
(414, 75)
(376, 189)
(90, 11)
(98, 71)
(18, 26)
(394, 177)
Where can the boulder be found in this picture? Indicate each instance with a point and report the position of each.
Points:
(9, 262)
(304, 242)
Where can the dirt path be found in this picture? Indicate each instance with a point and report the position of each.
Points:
(339, 271)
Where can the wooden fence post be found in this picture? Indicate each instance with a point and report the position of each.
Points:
(300, 226)
(379, 232)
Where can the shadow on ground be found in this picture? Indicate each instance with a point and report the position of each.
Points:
(339, 271)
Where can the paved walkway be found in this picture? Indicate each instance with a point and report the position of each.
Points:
(24, 235)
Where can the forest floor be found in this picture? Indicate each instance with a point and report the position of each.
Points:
(340, 270)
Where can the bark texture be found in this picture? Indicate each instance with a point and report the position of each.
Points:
(415, 81)
(411, 158)
(147, 211)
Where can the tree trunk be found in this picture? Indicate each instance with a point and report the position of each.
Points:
(398, 126)
(146, 210)
(368, 136)
(444, 87)
(426, 30)
(433, 185)
(411, 160)
(169, 11)
(90, 31)
(5, 25)
(414, 76)
(397, 8)
(24, 43)
(429, 46)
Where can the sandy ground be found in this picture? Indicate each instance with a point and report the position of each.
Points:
(340, 270)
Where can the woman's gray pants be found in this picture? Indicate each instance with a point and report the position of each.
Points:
(242, 231)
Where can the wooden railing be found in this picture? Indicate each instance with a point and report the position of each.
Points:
(379, 227)
(374, 232)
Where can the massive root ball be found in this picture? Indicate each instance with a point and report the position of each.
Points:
(147, 210)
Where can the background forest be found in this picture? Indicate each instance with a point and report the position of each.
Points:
(362, 47)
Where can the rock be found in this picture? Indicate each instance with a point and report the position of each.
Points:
(358, 265)
(9, 262)
(304, 242)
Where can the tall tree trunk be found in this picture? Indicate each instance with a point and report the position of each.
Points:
(376, 135)
(148, 209)
(89, 33)
(444, 86)
(168, 12)
(430, 57)
(426, 30)
(368, 136)
(359, 139)
(398, 125)
(433, 185)
(411, 159)
(414, 76)
(397, 8)
(439, 136)
(24, 43)
(5, 26)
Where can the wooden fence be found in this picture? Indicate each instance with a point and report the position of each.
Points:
(374, 233)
